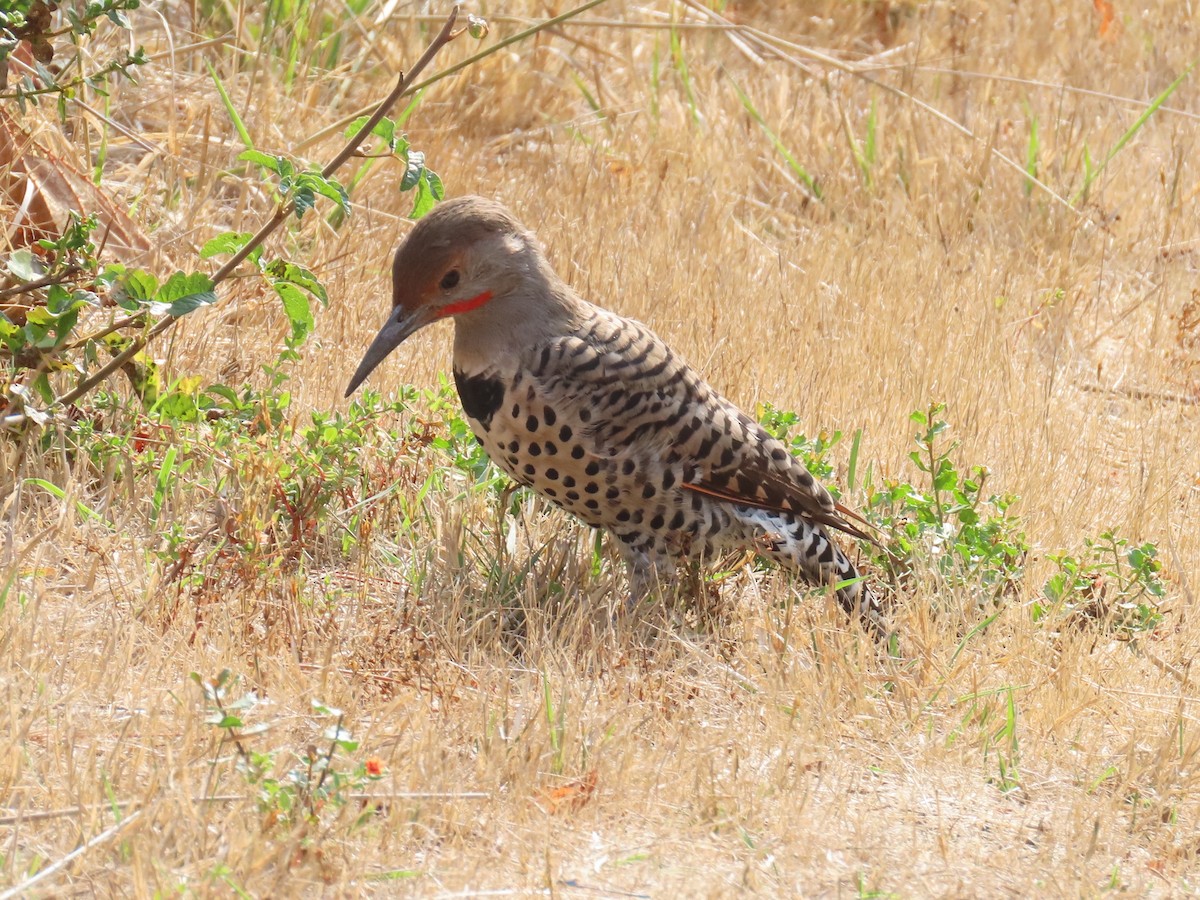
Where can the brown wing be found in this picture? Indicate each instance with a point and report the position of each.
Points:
(637, 401)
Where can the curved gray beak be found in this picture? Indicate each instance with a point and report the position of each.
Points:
(399, 325)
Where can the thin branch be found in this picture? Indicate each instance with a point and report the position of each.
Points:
(458, 67)
(444, 37)
(45, 281)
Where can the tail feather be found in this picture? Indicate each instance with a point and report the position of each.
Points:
(806, 547)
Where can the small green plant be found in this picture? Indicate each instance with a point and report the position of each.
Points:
(318, 780)
(59, 281)
(813, 452)
(32, 22)
(1113, 586)
(948, 519)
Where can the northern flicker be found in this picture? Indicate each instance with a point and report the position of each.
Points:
(596, 412)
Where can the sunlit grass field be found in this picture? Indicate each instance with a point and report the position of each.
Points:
(294, 645)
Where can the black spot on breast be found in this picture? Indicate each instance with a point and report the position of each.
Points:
(668, 478)
(549, 416)
(592, 468)
(531, 424)
(577, 452)
(481, 396)
(568, 481)
(657, 522)
(677, 521)
(552, 474)
(564, 433)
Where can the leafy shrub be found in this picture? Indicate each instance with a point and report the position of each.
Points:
(1112, 585)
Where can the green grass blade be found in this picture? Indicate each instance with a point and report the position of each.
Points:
(793, 164)
(852, 470)
(233, 113)
(85, 511)
(1032, 154)
(1094, 173)
(163, 483)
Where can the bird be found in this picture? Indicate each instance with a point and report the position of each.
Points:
(599, 415)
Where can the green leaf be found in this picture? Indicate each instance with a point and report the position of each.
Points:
(284, 270)
(137, 285)
(230, 110)
(430, 191)
(414, 166)
(25, 266)
(276, 164)
(385, 129)
(45, 330)
(59, 300)
(297, 308)
(304, 200)
(84, 511)
(228, 242)
(10, 334)
(183, 293)
(329, 188)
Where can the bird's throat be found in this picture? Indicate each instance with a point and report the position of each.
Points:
(462, 306)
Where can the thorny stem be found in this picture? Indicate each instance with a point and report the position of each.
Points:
(444, 37)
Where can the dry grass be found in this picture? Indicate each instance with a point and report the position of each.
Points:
(770, 749)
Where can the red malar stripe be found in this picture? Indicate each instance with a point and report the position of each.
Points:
(464, 305)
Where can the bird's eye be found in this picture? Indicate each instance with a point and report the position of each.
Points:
(450, 279)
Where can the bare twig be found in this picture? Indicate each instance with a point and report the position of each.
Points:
(285, 209)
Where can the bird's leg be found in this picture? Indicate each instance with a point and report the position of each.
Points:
(648, 574)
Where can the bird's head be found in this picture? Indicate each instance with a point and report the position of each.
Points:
(465, 254)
